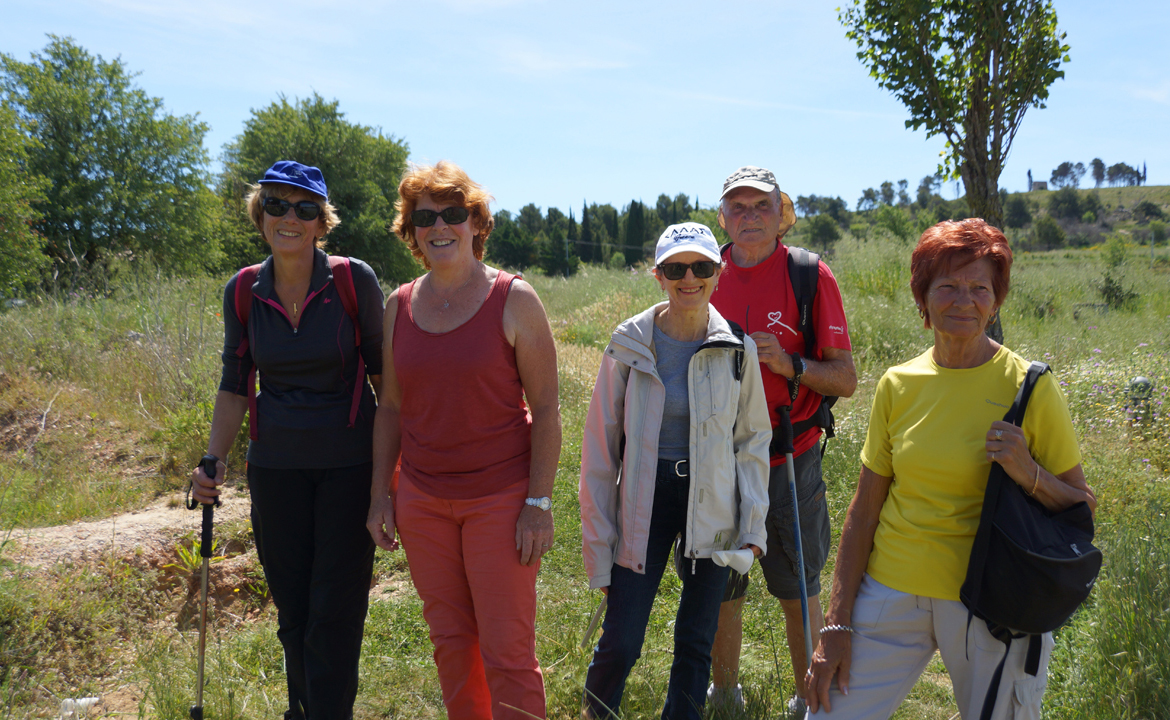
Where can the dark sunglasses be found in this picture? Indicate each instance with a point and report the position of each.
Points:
(677, 271)
(305, 209)
(451, 216)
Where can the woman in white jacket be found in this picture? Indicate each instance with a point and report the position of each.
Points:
(676, 443)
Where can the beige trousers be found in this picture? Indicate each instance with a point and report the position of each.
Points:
(896, 636)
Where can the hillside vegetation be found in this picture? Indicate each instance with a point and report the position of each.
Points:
(105, 402)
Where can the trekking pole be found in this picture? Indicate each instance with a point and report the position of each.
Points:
(208, 464)
(785, 430)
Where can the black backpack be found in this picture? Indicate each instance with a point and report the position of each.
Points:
(803, 271)
(1030, 568)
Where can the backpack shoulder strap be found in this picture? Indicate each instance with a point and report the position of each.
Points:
(343, 279)
(803, 271)
(245, 279)
(738, 332)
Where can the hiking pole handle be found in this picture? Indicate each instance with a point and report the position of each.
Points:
(782, 433)
(208, 463)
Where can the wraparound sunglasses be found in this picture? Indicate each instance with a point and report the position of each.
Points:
(305, 209)
(451, 216)
(677, 271)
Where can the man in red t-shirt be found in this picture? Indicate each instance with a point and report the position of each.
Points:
(755, 292)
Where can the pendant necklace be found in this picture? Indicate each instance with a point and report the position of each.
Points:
(446, 301)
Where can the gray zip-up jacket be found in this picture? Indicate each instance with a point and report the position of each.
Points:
(730, 432)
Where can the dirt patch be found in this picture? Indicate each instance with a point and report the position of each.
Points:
(145, 538)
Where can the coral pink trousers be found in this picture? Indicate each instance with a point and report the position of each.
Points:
(478, 600)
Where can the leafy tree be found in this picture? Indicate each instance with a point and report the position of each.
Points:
(1047, 232)
(608, 215)
(1098, 171)
(124, 176)
(965, 70)
(1065, 203)
(895, 221)
(868, 200)
(556, 225)
(1067, 174)
(887, 193)
(530, 220)
(556, 255)
(509, 246)
(21, 246)
(824, 230)
(587, 248)
(635, 232)
(1122, 174)
(1157, 233)
(1146, 210)
(927, 189)
(834, 207)
(1092, 203)
(1017, 214)
(903, 196)
(362, 168)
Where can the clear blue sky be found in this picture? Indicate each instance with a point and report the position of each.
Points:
(555, 103)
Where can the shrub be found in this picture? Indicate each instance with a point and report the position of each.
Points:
(1016, 213)
(1065, 203)
(617, 261)
(1047, 232)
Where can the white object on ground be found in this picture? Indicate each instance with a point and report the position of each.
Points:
(738, 560)
(77, 708)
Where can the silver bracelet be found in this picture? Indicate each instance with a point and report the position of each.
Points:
(837, 628)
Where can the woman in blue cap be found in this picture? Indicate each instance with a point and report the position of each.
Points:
(312, 325)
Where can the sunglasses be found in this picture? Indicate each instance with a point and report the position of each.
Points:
(677, 271)
(305, 209)
(451, 216)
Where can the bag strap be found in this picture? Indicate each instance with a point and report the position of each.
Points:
(996, 480)
(737, 331)
(803, 272)
(245, 279)
(343, 280)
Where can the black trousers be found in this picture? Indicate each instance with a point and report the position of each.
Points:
(310, 529)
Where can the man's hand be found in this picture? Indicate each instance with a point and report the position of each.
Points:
(772, 355)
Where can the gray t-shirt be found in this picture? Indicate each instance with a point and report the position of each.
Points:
(674, 358)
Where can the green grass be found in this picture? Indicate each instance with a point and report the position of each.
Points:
(138, 404)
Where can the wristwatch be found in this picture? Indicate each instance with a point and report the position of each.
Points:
(798, 367)
(543, 503)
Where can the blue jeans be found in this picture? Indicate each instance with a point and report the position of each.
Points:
(631, 597)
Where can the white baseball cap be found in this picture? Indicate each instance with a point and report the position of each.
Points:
(686, 237)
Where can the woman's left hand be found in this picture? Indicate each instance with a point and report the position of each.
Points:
(534, 534)
(755, 550)
(1007, 446)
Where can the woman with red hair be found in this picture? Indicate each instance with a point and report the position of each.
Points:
(469, 401)
(934, 429)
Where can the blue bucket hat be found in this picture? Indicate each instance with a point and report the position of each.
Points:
(291, 172)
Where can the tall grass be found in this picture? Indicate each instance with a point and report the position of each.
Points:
(146, 358)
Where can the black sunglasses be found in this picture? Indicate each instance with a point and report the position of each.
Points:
(451, 216)
(677, 271)
(305, 209)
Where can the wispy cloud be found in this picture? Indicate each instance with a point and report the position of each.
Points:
(524, 58)
(1159, 93)
(770, 105)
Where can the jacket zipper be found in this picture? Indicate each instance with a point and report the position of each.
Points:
(295, 327)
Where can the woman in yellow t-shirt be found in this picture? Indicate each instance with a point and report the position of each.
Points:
(934, 430)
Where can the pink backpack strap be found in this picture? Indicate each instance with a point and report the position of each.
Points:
(343, 279)
(245, 279)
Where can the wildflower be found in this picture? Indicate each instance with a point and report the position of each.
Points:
(1096, 350)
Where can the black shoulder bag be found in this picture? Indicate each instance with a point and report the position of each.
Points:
(1030, 568)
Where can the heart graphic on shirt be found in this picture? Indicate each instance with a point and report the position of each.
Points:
(774, 319)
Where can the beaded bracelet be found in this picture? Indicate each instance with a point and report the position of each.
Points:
(837, 628)
(1035, 481)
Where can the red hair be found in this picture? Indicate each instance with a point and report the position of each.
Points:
(446, 183)
(950, 245)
